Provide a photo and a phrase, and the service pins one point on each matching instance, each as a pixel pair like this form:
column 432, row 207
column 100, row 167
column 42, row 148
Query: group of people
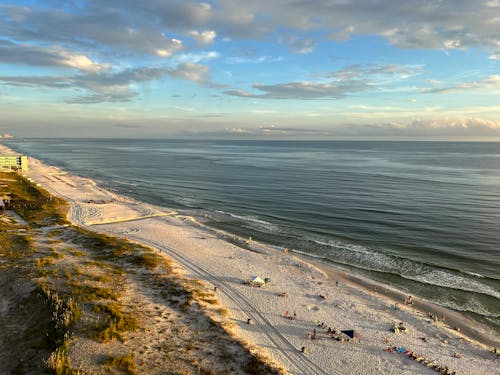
column 329, row 331
column 408, row 301
column 396, row 328
column 418, row 358
column 436, row 318
column 332, row 332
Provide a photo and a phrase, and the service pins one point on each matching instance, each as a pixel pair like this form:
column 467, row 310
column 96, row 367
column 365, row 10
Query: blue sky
column 277, row 69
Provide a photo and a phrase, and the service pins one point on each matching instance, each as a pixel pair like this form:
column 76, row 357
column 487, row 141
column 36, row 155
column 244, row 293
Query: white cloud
column 457, row 125
column 190, row 71
column 81, row 62
column 302, row 46
column 492, row 4
column 495, row 55
column 302, row 90
column 203, row 37
column 196, row 57
column 174, row 45
column 344, row 34
column 254, row 59
column 236, row 130
column 452, row 44
column 490, row 83
column 431, row 24
column 447, row 127
column 336, row 85
column 29, row 54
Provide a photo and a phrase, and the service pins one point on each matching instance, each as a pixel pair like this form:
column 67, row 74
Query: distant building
column 13, row 163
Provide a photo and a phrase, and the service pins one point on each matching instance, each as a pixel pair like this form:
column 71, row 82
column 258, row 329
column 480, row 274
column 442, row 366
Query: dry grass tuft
column 117, row 321
column 125, row 363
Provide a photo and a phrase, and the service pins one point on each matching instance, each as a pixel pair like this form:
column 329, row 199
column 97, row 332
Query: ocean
column 421, row 216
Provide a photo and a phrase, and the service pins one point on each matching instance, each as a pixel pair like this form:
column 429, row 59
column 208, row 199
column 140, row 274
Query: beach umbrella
column 352, row 334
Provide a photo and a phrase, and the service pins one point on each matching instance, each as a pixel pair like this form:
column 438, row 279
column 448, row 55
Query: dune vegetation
column 80, row 302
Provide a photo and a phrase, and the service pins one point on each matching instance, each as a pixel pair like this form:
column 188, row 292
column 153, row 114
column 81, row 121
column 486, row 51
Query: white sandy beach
column 208, row 255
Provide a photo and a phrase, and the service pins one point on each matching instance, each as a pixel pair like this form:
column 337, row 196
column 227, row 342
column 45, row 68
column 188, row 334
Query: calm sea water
column 422, row 216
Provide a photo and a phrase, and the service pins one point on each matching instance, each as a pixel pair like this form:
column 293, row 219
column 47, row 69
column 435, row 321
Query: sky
column 274, row 69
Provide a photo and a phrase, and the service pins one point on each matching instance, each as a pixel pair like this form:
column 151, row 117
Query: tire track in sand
column 301, row 363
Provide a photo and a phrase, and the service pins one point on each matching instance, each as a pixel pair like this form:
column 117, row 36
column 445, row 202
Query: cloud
column 190, row 71
column 445, row 127
column 196, row 57
column 13, row 53
column 376, row 70
column 302, row 46
column 492, row 4
column 429, row 25
column 250, row 56
column 137, row 27
column 495, row 55
column 491, row 83
column 344, row 34
column 108, row 86
column 302, row 90
column 169, row 48
column 110, row 97
column 339, row 84
column 203, row 37
column 109, row 28
column 126, row 126
column 37, row 81
column 254, row 60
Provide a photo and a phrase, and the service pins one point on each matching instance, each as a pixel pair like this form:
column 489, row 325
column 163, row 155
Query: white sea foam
column 311, row 255
column 369, row 259
column 449, row 280
column 365, row 258
column 470, row 306
column 188, row 202
column 253, row 221
column 478, row 275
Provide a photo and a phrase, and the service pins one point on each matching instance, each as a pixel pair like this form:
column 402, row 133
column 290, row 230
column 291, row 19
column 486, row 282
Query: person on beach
column 286, row 314
column 294, row 315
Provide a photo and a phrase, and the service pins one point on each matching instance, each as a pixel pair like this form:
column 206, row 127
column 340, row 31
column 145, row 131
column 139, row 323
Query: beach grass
column 79, row 279
column 117, row 322
column 124, row 363
column 34, row 204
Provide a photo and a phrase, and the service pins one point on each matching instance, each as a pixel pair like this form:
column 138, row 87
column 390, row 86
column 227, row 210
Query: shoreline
column 178, row 235
column 453, row 319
